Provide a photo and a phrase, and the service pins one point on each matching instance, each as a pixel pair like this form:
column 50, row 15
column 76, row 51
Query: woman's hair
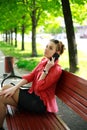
column 60, row 45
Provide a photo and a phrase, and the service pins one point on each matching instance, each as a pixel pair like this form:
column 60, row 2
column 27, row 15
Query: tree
column 38, row 9
column 72, row 47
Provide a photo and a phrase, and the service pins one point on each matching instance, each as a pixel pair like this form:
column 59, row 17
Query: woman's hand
column 49, row 64
column 8, row 92
column 47, row 67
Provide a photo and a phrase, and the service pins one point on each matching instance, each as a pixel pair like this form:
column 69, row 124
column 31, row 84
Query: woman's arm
column 21, row 83
column 8, row 92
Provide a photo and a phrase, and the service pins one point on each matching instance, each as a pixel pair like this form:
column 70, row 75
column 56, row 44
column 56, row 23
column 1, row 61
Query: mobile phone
column 55, row 56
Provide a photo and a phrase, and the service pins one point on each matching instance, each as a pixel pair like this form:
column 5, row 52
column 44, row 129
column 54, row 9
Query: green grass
column 25, row 61
column 23, row 58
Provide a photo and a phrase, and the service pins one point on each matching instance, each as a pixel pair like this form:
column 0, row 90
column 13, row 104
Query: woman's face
column 50, row 49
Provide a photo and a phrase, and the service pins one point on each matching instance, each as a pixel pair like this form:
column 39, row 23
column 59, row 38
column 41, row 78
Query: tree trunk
column 6, row 39
column 23, row 30
column 72, row 47
column 34, row 52
column 11, row 37
column 15, row 37
column 34, row 24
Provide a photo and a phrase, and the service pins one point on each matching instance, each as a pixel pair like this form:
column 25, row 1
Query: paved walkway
column 72, row 120
column 1, row 65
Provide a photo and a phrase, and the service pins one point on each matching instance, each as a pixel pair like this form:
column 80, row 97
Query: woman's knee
column 10, row 100
column 7, row 100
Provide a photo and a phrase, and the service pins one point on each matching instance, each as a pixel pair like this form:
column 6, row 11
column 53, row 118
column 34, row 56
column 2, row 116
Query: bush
column 28, row 64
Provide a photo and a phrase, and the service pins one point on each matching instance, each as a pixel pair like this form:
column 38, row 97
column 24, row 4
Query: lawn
column 24, row 60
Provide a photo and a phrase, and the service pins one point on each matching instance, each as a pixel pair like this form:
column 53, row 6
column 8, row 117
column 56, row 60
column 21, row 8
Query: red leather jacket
column 45, row 88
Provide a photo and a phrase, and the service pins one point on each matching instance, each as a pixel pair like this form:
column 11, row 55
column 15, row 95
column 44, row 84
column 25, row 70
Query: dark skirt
column 30, row 102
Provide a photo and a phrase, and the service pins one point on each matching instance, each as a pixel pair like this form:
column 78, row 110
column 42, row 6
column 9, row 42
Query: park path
column 1, row 65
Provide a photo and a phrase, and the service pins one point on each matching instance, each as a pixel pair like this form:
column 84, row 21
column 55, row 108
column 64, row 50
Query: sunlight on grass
column 82, row 64
column 63, row 60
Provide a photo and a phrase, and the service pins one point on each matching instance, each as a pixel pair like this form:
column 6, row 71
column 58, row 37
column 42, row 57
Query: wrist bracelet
column 45, row 71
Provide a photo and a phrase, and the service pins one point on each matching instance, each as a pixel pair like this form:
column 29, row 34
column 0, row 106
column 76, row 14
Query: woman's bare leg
column 7, row 100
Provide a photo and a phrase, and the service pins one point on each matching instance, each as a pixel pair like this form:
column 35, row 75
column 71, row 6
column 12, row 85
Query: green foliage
column 79, row 2
column 18, row 12
column 53, row 26
column 79, row 16
column 15, row 10
column 28, row 64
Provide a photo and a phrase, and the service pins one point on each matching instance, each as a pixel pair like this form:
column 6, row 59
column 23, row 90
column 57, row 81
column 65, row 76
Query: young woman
column 41, row 96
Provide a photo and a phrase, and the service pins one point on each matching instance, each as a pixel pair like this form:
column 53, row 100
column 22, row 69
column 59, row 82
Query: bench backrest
column 72, row 90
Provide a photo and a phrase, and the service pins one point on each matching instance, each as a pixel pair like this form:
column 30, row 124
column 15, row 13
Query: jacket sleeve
column 51, row 78
column 29, row 77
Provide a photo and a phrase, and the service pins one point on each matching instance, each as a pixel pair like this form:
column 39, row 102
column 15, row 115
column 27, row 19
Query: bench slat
column 75, row 88
column 47, row 122
column 26, row 121
column 22, row 121
column 76, row 109
column 75, row 95
column 11, row 123
column 74, row 102
column 74, row 80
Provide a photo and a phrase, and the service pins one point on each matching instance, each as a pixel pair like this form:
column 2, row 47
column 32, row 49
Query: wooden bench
column 71, row 89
